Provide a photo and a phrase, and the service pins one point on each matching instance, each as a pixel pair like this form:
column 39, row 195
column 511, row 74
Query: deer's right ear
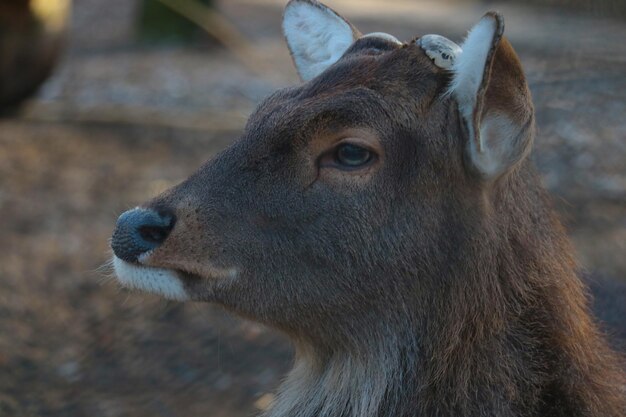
column 493, row 98
column 316, row 35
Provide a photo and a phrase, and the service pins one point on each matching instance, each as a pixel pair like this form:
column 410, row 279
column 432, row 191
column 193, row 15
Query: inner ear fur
column 317, row 36
column 500, row 117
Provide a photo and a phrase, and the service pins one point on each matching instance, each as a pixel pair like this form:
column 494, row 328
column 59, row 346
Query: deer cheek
column 347, row 181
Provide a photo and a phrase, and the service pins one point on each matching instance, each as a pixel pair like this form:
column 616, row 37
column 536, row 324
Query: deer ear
column 316, row 35
column 493, row 98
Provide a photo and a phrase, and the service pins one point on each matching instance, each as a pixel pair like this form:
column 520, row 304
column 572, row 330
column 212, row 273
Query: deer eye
column 352, row 156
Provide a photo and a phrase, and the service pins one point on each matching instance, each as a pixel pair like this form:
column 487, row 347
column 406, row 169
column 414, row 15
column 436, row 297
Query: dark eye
column 352, row 156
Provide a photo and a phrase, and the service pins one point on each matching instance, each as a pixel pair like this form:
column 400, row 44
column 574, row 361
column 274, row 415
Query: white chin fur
column 158, row 281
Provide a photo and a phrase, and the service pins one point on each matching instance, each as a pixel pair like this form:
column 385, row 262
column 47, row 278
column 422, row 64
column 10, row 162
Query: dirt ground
column 120, row 122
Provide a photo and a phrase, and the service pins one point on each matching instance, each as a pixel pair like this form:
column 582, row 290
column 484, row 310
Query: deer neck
column 374, row 379
column 493, row 340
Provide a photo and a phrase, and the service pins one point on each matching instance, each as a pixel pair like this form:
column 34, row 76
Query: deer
column 385, row 215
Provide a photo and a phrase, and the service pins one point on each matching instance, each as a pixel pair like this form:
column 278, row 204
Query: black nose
column 138, row 231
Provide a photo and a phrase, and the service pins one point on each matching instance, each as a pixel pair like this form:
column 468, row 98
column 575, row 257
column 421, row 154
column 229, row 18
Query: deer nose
column 138, row 231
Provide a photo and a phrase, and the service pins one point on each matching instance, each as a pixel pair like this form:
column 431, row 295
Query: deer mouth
column 168, row 280
column 165, row 282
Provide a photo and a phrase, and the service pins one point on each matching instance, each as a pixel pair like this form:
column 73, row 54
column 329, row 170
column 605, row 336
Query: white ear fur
column 317, row 36
column 469, row 70
column 499, row 135
column 496, row 154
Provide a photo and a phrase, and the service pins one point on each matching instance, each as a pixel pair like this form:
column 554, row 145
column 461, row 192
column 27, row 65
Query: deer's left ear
column 317, row 36
column 493, row 98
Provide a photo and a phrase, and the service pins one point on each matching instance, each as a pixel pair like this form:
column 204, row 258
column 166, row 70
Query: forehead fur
column 375, row 63
column 375, row 83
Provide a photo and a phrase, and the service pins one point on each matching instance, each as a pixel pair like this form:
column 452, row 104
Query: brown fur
column 415, row 288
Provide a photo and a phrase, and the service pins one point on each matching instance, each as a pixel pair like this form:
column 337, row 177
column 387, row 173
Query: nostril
column 139, row 231
column 154, row 234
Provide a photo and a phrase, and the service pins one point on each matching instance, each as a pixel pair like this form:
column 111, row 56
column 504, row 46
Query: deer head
column 339, row 181
column 363, row 212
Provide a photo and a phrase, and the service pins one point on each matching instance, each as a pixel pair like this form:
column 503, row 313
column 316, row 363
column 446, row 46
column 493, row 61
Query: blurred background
column 105, row 103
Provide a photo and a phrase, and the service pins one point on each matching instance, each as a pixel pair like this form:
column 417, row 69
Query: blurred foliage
column 51, row 13
column 159, row 23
